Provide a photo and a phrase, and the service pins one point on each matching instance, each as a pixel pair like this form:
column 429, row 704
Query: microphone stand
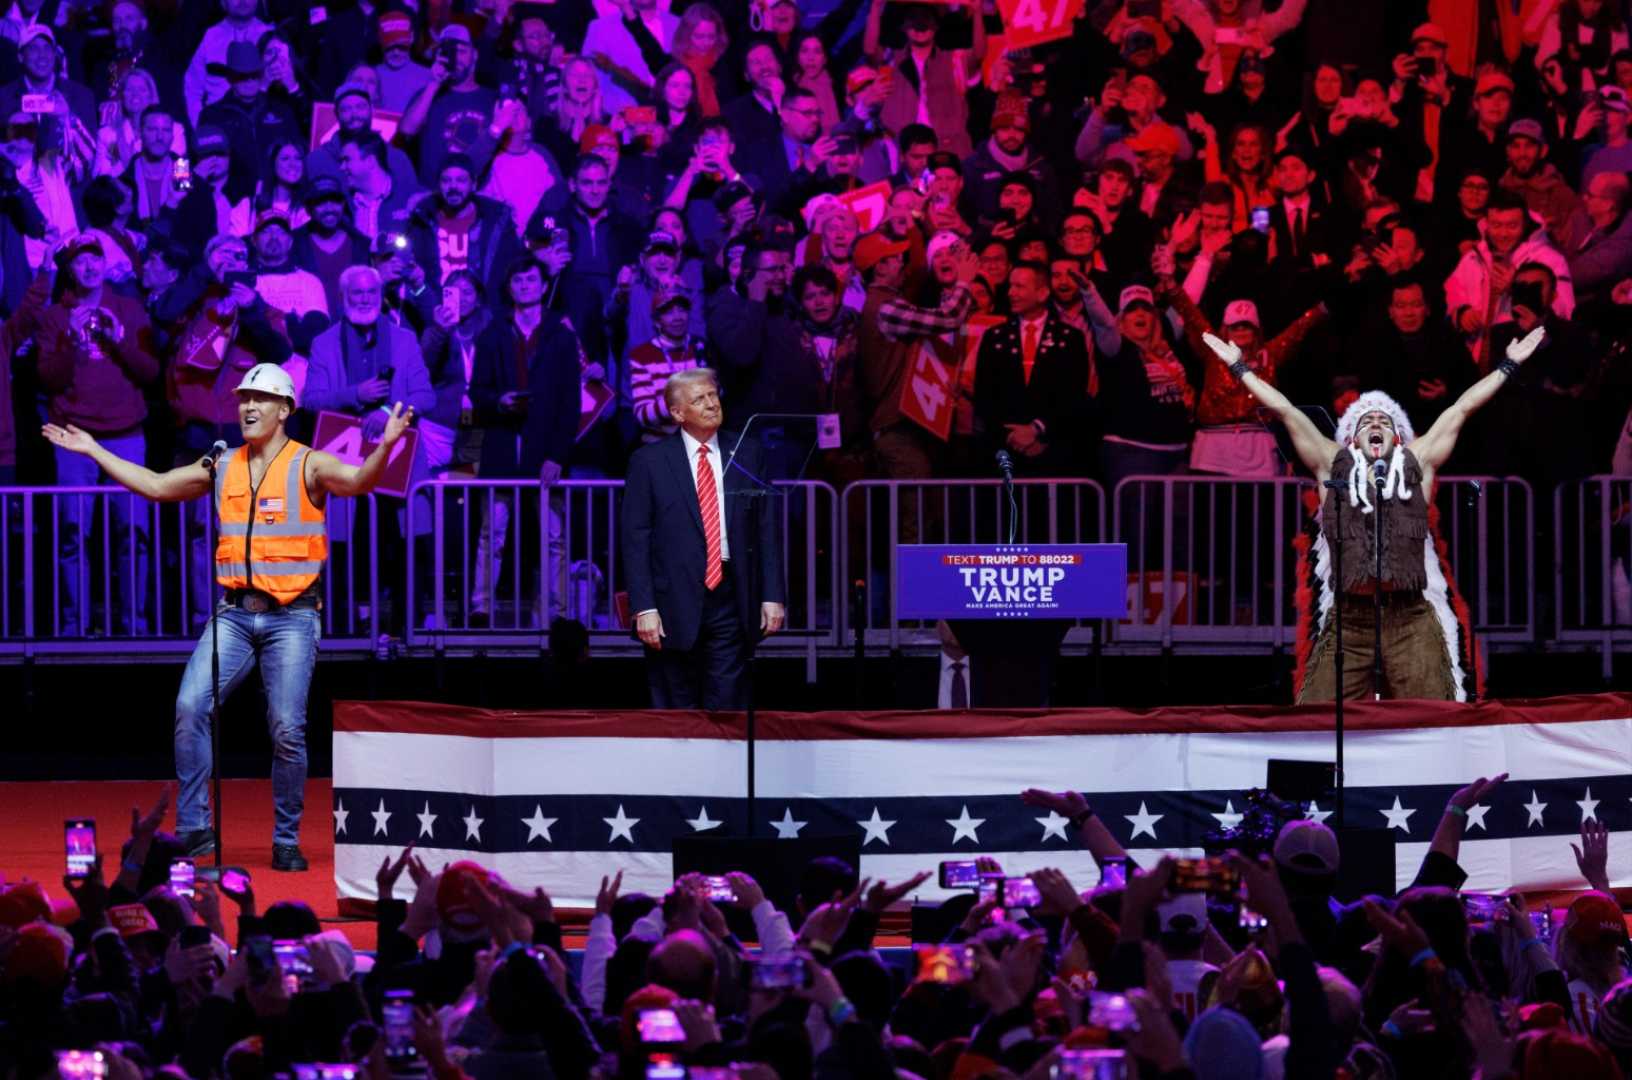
column 1006, row 464
column 1337, row 638
column 1377, row 593
column 211, row 463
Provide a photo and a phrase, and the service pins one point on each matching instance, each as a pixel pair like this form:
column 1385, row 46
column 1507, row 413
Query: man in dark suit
column 1031, row 378
column 1304, row 233
column 701, row 551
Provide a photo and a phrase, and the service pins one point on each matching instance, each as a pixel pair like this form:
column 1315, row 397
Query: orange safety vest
column 272, row 537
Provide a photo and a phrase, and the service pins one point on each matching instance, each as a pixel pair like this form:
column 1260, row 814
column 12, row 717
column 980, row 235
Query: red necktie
column 1028, row 345
column 709, row 501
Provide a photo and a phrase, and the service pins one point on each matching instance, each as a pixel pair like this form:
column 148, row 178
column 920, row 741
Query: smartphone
column 1426, row 67
column 81, row 1064
column 1260, row 219
column 1205, row 875
column 778, row 973
column 321, row 1071
column 258, row 955
column 639, row 114
column 718, row 889
column 949, row 964
column 665, row 1069
column 1543, row 922
column 1113, row 1012
column 1098, row 1063
column 246, row 278
column 79, row 845
column 193, row 935
column 456, row 302
column 990, row 891
column 397, row 1021
column 960, row 874
column 38, row 103
column 1113, row 872
column 1481, row 907
column 182, row 875
column 295, row 963
column 387, row 372
column 660, row 1026
column 1020, row 892
column 448, row 53
column 1250, row 921
column 235, row 882
column 713, row 1072
column 181, row 174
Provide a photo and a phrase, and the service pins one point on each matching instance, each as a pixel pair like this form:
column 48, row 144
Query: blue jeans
column 286, row 642
column 126, row 516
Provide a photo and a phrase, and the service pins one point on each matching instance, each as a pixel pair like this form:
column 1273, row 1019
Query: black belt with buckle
column 253, row 601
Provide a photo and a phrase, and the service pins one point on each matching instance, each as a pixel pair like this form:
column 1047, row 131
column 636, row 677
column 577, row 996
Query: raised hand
column 1470, row 796
column 1592, row 857
column 1400, row 933
column 396, row 424
column 608, row 894
column 385, row 878
column 1067, row 804
column 1227, row 351
column 69, row 438
column 882, row 895
column 1520, row 349
column 145, row 825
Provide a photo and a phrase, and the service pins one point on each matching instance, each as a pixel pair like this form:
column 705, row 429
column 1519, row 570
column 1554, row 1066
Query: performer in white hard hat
column 269, row 496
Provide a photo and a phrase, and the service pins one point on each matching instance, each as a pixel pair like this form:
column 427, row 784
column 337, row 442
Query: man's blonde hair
column 681, row 380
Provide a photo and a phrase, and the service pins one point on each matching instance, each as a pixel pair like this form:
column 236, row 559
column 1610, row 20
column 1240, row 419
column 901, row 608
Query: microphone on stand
column 1005, row 464
column 1379, row 471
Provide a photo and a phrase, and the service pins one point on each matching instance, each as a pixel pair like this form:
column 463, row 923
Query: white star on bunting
column 1535, row 807
column 964, row 826
column 1316, row 814
column 701, row 822
column 1229, row 819
column 1143, row 822
column 1053, row 825
column 787, row 828
column 1588, row 805
column 1476, row 816
column 473, row 826
column 427, row 821
column 877, row 829
column 538, row 825
column 381, row 817
column 622, row 826
column 1398, row 817
column 340, row 815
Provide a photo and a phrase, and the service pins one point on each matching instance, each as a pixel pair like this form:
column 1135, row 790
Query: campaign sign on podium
column 1012, row 581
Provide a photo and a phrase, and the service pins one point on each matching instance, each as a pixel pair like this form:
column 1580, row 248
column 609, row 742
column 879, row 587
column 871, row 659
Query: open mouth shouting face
column 1375, row 436
column 259, row 413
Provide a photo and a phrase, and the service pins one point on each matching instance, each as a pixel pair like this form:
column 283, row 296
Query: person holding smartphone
column 270, row 608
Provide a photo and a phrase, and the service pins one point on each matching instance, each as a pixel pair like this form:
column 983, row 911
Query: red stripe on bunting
column 424, row 718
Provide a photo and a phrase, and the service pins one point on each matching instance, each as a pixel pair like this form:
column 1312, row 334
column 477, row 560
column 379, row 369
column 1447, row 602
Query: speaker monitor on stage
column 1366, row 865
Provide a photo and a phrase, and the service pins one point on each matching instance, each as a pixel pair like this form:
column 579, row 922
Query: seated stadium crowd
column 1236, row 968
column 877, row 209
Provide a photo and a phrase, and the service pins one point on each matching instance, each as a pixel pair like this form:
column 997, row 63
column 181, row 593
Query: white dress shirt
column 717, row 463
column 943, row 698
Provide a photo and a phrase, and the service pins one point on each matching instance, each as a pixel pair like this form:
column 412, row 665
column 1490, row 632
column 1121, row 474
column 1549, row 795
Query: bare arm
column 875, row 20
column 1315, row 450
column 1434, row 448
column 334, row 476
column 177, row 485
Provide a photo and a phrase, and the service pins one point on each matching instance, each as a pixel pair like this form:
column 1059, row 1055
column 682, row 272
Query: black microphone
column 1379, row 471
column 1006, row 464
column 213, row 458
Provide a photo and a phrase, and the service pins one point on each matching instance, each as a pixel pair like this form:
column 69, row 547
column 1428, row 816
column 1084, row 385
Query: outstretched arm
column 1315, row 450
column 1434, row 448
column 334, row 476
column 177, row 485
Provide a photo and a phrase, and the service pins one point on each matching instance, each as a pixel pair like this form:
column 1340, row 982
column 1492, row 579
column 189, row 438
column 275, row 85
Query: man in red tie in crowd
column 701, row 551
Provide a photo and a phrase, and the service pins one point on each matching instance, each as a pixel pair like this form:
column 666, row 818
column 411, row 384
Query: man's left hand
column 1022, row 437
column 771, row 617
column 1519, row 349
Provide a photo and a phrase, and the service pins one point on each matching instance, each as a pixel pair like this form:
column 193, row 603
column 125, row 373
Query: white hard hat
column 268, row 379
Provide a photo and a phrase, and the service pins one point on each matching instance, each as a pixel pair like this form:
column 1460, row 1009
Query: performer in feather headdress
column 1382, row 467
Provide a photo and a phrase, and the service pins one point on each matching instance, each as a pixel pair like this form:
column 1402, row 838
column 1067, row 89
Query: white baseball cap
column 268, row 379
column 1241, row 311
column 940, row 242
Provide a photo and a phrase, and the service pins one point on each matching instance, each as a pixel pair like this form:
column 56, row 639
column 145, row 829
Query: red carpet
column 31, row 837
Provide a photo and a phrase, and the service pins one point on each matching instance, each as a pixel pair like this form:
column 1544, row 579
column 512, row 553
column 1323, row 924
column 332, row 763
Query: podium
column 1011, row 605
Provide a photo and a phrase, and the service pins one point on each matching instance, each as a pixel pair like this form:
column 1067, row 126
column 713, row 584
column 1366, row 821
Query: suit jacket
column 550, row 424
column 664, row 553
column 1320, row 232
column 1057, row 393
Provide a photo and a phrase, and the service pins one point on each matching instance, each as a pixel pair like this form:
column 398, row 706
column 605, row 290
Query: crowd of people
column 1232, row 968
column 520, row 219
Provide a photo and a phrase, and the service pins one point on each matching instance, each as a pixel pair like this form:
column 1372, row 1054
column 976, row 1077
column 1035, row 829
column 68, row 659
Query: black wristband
column 1240, row 370
column 1509, row 368
column 1080, row 818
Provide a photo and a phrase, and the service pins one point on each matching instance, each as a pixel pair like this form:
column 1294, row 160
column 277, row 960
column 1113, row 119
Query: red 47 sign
column 929, row 392
column 1030, row 22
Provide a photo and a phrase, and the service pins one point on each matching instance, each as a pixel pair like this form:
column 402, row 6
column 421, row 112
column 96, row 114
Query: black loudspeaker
column 776, row 864
column 1368, row 864
column 1301, row 782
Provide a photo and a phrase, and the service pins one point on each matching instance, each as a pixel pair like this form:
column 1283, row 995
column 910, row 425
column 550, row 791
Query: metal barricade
column 1592, row 549
column 1210, row 559
column 98, row 570
column 478, row 587
column 880, row 515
